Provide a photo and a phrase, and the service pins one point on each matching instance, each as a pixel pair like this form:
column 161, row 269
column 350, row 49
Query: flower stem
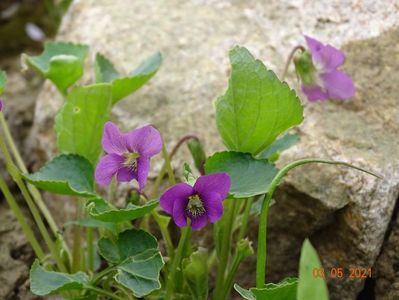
column 170, row 285
column 228, row 284
column 104, row 292
column 225, row 248
column 181, row 142
column 90, row 248
column 290, row 56
column 169, row 169
column 77, row 241
column 165, row 234
column 32, row 189
column 22, row 220
column 16, row 176
column 245, row 218
column 262, row 232
column 101, row 274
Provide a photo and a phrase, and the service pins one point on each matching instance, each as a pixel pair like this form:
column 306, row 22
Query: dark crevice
column 368, row 292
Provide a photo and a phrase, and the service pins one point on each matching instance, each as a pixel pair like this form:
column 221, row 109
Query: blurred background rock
column 351, row 218
column 24, row 26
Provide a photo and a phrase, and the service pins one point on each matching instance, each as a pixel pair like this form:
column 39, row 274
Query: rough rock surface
column 345, row 213
column 15, row 254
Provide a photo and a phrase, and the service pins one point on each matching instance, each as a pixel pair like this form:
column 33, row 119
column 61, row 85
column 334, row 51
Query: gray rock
column 345, row 213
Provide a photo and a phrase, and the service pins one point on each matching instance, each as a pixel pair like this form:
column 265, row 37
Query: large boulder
column 344, row 212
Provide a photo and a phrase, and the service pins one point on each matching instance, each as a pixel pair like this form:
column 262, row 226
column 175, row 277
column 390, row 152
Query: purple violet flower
column 318, row 70
column 1, row 105
column 128, row 154
column 201, row 203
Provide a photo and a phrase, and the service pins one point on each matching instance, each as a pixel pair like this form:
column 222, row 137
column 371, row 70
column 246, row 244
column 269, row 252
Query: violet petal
column 107, row 168
column 338, row 84
column 216, row 182
column 213, row 203
column 113, row 140
column 177, row 193
column 179, row 211
column 146, row 141
column 330, row 58
column 314, row 93
column 143, row 167
column 125, row 175
column 199, row 222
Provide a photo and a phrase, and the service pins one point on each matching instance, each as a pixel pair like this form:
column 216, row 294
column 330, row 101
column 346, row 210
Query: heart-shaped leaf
column 309, row 286
column 3, row 81
column 101, row 209
column 257, row 106
column 284, row 290
column 249, row 176
column 137, row 258
column 67, row 174
column 60, row 62
column 43, row 282
column 79, row 124
column 272, row 152
column 123, row 86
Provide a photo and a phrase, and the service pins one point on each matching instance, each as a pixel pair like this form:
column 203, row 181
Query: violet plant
column 112, row 254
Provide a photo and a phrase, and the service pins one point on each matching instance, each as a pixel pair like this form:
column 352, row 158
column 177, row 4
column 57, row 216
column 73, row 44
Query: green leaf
column 198, row 153
column 105, row 70
column 249, row 176
column 123, row 86
column 257, row 106
column 67, row 174
column 93, row 223
column 79, row 123
column 60, row 62
column 43, row 282
column 188, row 175
column 195, row 271
column 3, row 81
column 309, row 286
column 285, row 142
column 284, row 290
column 137, row 260
column 102, row 210
column 246, row 294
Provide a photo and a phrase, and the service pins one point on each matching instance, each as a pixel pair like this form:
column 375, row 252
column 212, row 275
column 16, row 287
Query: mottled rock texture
column 345, row 213
column 15, row 253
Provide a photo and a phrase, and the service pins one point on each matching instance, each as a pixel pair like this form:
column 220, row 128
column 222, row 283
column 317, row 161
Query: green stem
column 77, row 240
column 90, row 248
column 169, row 169
column 228, row 284
column 245, row 218
column 101, row 274
column 225, row 248
column 33, row 190
column 290, row 56
column 170, row 285
column 165, row 234
column 16, row 176
column 262, row 238
column 22, row 220
column 104, row 292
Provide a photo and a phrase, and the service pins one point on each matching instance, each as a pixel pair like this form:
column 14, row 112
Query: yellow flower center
column 131, row 160
column 195, row 207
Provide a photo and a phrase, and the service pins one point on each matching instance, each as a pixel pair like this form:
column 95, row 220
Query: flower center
column 195, row 207
column 131, row 160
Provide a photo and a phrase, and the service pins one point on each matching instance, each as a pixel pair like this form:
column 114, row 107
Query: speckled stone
column 344, row 212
